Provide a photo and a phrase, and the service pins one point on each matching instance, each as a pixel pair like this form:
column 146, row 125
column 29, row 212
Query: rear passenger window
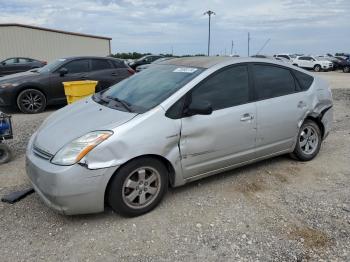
column 119, row 64
column 99, row 64
column 77, row 66
column 272, row 81
column 225, row 89
column 304, row 80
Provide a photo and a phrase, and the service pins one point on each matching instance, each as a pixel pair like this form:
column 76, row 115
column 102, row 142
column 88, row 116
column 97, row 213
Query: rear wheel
column 346, row 69
column 31, row 101
column 309, row 141
column 317, row 68
column 5, row 154
column 138, row 187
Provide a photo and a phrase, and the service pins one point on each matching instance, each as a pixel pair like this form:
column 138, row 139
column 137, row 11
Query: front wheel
column 138, row 187
column 346, row 69
column 31, row 101
column 317, row 68
column 309, row 141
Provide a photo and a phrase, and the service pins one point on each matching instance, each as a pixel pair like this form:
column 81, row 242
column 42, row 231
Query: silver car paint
column 193, row 147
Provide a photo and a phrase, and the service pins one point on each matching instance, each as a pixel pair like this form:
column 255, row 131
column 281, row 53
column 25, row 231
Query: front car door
column 226, row 137
column 280, row 108
column 77, row 70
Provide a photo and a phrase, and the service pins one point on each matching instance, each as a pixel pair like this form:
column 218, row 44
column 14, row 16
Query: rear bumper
column 327, row 121
column 69, row 190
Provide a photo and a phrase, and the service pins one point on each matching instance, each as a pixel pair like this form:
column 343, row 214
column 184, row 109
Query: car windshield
column 51, row 67
column 148, row 88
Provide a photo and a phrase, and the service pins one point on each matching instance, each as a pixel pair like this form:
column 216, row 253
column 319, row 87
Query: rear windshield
column 148, row 88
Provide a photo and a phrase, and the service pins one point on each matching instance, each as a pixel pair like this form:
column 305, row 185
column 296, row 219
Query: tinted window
column 225, row 89
column 23, row 60
column 150, row 87
column 77, row 66
column 284, row 56
column 302, row 58
column 100, row 64
column 304, row 80
column 272, row 81
column 10, row 61
column 119, row 64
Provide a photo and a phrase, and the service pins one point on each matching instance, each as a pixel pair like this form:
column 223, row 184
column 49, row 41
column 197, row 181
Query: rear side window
column 100, row 64
column 77, row 66
column 271, row 81
column 227, row 88
column 304, row 80
column 119, row 64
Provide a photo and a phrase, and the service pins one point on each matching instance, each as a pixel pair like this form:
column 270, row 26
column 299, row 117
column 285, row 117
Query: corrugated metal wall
column 48, row 46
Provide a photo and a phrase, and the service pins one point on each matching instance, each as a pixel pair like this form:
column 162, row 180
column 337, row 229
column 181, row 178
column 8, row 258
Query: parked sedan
column 19, row 64
column 176, row 122
column 144, row 61
column 32, row 91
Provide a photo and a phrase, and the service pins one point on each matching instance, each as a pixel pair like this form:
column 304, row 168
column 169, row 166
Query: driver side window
column 77, row 66
column 10, row 61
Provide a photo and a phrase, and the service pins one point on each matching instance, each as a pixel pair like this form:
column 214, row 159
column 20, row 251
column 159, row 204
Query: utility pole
column 248, row 42
column 232, row 48
column 209, row 13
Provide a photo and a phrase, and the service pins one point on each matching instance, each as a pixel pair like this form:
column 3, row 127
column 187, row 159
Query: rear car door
column 280, row 108
column 24, row 64
column 106, row 73
column 77, row 70
column 227, row 136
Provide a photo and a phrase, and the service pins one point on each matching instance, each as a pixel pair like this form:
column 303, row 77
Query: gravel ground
column 275, row 210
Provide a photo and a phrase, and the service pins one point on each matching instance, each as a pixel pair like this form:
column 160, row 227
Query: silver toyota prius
column 179, row 121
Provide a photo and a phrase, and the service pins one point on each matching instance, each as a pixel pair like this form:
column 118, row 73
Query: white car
column 285, row 56
column 315, row 63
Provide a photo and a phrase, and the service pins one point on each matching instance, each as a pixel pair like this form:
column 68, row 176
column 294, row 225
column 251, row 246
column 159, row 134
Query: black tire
column 300, row 153
column 117, row 191
column 31, row 101
column 317, row 68
column 5, row 154
column 346, row 69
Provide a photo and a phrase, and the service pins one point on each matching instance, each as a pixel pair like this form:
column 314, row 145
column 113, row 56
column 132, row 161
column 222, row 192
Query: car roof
column 90, row 57
column 210, row 61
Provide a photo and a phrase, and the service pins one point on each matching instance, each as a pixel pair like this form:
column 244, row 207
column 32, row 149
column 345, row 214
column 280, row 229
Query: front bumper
column 69, row 190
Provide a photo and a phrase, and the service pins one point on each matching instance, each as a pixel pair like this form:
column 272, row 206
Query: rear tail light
column 131, row 71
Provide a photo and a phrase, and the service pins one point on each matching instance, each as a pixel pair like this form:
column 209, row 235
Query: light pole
column 209, row 13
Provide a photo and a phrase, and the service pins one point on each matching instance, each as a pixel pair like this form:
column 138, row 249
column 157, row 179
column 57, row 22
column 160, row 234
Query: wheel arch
column 30, row 86
column 317, row 120
column 166, row 162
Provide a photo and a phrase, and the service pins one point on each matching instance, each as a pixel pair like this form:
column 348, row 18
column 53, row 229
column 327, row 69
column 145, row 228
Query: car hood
column 19, row 77
column 76, row 120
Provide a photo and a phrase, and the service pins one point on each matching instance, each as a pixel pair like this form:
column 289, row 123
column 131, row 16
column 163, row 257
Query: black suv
column 18, row 64
column 33, row 90
column 144, row 60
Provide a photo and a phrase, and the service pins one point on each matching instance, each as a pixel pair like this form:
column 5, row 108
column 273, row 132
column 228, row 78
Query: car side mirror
column 196, row 108
column 63, row 71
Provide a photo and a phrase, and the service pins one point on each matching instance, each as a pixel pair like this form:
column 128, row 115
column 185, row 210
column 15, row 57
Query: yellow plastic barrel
column 76, row 90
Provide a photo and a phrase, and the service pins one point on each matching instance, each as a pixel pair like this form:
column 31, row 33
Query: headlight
column 5, row 85
column 78, row 148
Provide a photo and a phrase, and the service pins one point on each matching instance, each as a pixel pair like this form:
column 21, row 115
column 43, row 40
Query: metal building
column 18, row 40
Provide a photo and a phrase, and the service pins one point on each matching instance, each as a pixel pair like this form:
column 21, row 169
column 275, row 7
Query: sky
column 180, row 26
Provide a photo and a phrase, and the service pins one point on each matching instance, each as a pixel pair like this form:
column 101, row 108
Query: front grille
column 42, row 153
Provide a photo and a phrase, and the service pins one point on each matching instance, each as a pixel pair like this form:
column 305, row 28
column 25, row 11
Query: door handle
column 247, row 117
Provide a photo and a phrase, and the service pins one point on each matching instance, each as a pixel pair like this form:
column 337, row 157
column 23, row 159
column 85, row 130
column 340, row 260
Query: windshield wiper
column 122, row 102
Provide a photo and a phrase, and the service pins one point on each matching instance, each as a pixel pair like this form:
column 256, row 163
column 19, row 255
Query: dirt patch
column 249, row 188
column 311, row 238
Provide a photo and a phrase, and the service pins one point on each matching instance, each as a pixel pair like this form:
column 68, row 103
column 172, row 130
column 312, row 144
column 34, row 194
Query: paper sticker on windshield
column 188, row 70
